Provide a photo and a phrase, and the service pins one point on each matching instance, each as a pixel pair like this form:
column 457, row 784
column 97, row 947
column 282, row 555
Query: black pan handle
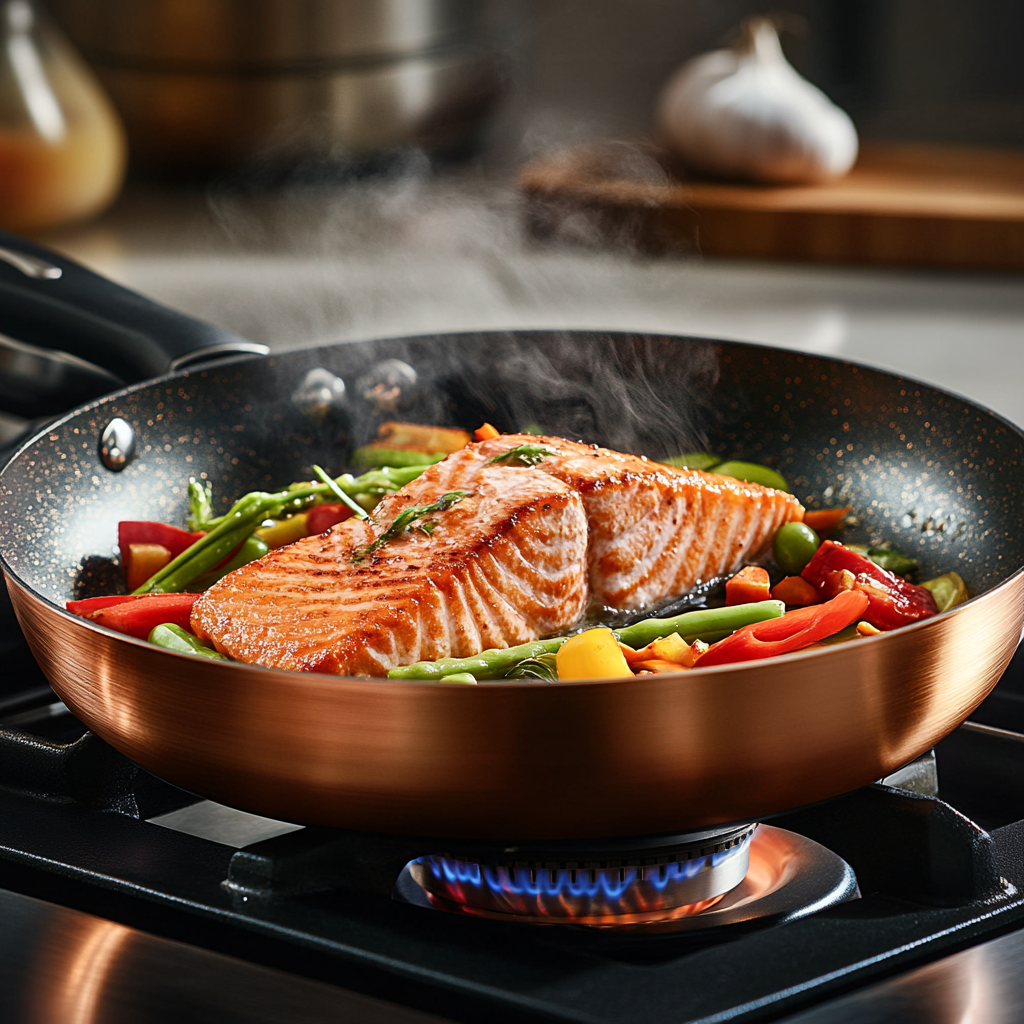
column 52, row 302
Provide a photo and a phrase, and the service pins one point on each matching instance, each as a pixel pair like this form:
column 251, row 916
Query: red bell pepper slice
column 137, row 615
column 88, row 605
column 893, row 601
column 322, row 517
column 140, row 531
column 792, row 631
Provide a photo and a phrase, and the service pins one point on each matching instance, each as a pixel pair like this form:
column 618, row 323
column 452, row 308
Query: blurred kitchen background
column 306, row 171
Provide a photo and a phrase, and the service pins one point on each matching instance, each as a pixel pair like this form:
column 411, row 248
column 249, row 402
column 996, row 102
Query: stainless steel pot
column 212, row 83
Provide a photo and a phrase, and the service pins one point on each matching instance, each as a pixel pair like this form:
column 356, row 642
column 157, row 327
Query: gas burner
column 747, row 874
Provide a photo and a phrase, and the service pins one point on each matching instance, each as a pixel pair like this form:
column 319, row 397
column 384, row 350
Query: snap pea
column 693, row 460
column 704, row 624
column 174, row 638
column 752, row 473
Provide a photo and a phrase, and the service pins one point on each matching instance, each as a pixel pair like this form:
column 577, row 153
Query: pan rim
column 184, row 374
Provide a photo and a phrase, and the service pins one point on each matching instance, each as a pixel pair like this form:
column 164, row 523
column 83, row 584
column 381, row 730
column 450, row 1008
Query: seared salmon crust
column 520, row 557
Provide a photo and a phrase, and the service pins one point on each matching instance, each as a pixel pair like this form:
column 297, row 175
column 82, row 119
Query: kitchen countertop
column 415, row 255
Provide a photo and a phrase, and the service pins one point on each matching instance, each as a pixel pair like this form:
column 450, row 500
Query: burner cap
column 751, row 875
column 588, row 886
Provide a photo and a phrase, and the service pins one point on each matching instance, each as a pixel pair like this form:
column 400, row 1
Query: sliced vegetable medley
column 823, row 590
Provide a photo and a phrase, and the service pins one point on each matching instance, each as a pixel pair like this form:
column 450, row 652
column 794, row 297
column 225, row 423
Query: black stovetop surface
column 936, row 874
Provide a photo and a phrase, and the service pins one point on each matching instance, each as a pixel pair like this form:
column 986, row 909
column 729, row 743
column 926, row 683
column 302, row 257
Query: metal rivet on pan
column 319, row 393
column 117, row 445
column 389, row 385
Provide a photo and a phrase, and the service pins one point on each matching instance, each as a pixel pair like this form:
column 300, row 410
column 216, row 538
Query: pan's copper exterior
column 926, row 470
column 651, row 754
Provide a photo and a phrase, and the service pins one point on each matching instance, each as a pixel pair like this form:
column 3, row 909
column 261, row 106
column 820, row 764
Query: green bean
column 700, row 624
column 299, row 495
column 174, row 638
column 459, row 677
column 704, row 624
column 202, row 556
column 199, row 565
column 228, row 531
column 491, row 664
column 252, row 548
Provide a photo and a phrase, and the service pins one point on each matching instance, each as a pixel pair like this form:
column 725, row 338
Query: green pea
column 693, row 460
column 794, row 547
column 752, row 473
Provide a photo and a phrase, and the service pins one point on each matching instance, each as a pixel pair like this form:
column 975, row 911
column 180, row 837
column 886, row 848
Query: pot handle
column 52, row 302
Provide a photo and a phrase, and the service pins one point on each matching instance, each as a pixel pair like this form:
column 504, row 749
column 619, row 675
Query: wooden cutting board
column 909, row 205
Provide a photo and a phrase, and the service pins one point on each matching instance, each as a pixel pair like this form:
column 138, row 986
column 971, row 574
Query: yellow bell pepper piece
column 145, row 560
column 284, row 532
column 594, row 654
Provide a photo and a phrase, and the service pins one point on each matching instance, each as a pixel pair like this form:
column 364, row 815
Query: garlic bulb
column 745, row 113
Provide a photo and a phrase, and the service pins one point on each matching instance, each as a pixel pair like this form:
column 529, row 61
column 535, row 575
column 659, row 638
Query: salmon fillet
column 503, row 566
column 517, row 559
column 657, row 531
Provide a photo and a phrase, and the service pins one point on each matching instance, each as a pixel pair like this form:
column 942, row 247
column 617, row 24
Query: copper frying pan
column 931, row 472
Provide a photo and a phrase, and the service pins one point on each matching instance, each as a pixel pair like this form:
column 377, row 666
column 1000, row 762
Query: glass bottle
column 62, row 147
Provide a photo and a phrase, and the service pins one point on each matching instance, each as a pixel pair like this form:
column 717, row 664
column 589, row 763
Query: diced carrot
column 486, row 432
column 866, row 629
column 747, row 586
column 143, row 561
column 825, row 520
column 795, row 592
